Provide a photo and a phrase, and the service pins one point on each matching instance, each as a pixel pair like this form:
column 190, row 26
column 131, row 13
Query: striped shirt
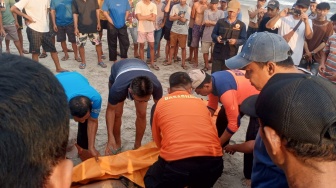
column 330, row 63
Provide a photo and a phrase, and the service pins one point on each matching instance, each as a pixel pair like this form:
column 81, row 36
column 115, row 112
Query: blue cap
column 261, row 47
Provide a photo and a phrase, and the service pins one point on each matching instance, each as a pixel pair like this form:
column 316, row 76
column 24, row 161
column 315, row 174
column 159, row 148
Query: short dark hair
column 179, row 79
column 323, row 6
column 333, row 17
column 206, row 80
column 34, row 124
column 80, row 106
column 142, row 86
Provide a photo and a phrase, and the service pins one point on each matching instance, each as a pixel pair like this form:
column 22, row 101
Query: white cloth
column 145, row 10
column 285, row 25
column 178, row 26
column 38, row 11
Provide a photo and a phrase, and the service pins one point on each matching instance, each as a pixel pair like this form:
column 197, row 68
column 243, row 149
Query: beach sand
column 98, row 77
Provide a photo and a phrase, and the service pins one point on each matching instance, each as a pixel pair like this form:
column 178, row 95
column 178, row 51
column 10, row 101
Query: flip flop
column 103, row 56
column 43, row 55
column 166, row 64
column 65, row 58
column 102, row 64
column 82, row 65
column 155, row 67
column 25, row 52
column 116, row 151
column 78, row 59
column 205, row 69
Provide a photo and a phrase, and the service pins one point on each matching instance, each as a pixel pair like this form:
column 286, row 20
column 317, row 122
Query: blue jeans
column 157, row 38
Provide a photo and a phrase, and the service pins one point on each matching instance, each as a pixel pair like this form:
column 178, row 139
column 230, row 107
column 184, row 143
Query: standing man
column 263, row 56
column 197, row 14
column 228, row 34
column 180, row 15
column 146, row 13
column 313, row 48
column 103, row 24
column 312, row 7
column 9, row 26
column 286, row 23
column 193, row 157
column 85, row 104
column 132, row 79
column 87, row 25
column 211, row 16
column 256, row 13
column 62, row 20
column 272, row 10
column 37, row 19
column 116, row 13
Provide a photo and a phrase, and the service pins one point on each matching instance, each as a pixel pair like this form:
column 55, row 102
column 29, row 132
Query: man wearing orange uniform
column 190, row 151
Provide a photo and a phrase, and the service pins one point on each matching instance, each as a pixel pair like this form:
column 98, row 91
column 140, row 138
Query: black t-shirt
column 87, row 17
column 262, row 26
column 122, row 74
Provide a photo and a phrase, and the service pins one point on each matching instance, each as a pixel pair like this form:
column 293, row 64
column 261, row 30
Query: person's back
column 33, row 108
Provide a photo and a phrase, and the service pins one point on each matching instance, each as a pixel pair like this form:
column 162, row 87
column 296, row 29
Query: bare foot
column 61, row 70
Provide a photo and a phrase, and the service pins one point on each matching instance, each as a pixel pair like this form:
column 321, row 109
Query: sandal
column 65, row 58
column 82, row 65
column 25, row 52
column 185, row 67
column 178, row 58
column 43, row 55
column 78, row 59
column 166, row 64
column 102, row 64
column 155, row 67
column 205, row 69
column 103, row 56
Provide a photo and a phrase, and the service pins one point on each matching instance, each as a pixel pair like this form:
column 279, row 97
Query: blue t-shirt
column 265, row 173
column 122, row 74
column 63, row 11
column 75, row 84
column 117, row 10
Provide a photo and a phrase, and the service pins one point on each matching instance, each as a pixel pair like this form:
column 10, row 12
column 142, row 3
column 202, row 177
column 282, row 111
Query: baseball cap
column 213, row 1
column 260, row 47
column 273, row 4
column 315, row 1
column 233, row 6
column 197, row 76
column 223, row 1
column 304, row 3
column 299, row 106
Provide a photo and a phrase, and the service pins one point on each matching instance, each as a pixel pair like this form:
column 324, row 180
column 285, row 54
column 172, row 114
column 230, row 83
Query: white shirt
column 145, row 10
column 285, row 25
column 38, row 11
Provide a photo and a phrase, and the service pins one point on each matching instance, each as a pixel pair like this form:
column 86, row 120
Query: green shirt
column 7, row 16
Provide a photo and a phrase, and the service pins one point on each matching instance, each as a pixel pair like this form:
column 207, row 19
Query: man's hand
column 94, row 153
column 232, row 41
column 330, row 75
column 17, row 25
column 309, row 57
column 304, row 17
column 98, row 27
column 322, row 67
column 76, row 32
column 29, row 20
column 219, row 39
column 230, row 149
column 284, row 12
column 2, row 32
column 55, row 28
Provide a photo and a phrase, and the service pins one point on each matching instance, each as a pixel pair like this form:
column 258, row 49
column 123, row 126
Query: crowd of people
column 283, row 78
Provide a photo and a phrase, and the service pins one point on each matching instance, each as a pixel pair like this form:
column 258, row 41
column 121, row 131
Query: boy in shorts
column 8, row 26
column 37, row 19
column 146, row 12
column 180, row 14
column 87, row 27
column 62, row 21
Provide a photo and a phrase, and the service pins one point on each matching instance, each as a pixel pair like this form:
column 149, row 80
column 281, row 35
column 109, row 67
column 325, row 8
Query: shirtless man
column 197, row 13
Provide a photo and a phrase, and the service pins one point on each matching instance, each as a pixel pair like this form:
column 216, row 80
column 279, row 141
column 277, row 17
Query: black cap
column 299, row 106
column 214, row 1
column 304, row 3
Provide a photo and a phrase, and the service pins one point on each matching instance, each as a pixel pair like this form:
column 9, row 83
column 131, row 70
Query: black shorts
column 19, row 19
column 66, row 30
column 103, row 24
column 167, row 33
column 36, row 39
column 189, row 172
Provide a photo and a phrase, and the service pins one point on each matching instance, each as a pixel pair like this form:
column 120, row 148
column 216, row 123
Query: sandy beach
column 98, row 77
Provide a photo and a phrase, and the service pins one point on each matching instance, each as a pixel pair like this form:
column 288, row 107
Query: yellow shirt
column 101, row 14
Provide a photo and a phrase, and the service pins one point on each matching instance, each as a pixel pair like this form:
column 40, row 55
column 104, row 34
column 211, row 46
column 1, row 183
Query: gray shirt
column 214, row 16
column 178, row 26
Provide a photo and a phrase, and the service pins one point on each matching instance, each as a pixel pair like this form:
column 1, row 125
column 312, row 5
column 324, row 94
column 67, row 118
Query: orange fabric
column 183, row 127
column 132, row 164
